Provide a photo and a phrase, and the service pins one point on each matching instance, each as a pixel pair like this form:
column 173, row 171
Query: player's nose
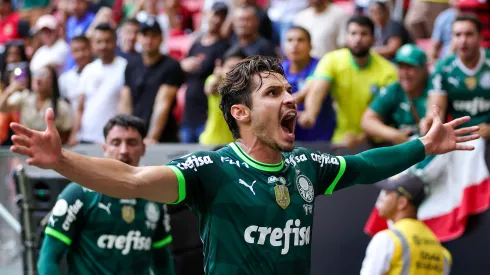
column 290, row 101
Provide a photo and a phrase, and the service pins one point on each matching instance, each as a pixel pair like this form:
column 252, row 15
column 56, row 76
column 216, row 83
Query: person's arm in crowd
column 103, row 16
column 388, row 51
column 7, row 105
column 125, row 101
column 318, row 87
column 50, row 256
column 211, row 85
column 372, row 123
column 436, row 40
column 77, row 121
column 315, row 95
column 378, row 255
column 161, row 110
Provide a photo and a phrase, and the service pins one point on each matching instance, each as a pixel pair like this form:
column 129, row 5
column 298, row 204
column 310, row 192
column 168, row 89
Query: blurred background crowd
column 162, row 60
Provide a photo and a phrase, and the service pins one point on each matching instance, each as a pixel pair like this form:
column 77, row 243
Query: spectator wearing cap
column 69, row 81
column 151, row 86
column 8, row 22
column 248, row 37
column 53, row 50
column 397, row 109
column 149, row 9
column 77, row 24
column 198, row 65
column 326, row 23
column 99, row 87
column 390, row 35
column 409, row 246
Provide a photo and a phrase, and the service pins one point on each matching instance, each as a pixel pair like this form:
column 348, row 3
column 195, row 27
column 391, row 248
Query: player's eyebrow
column 274, row 86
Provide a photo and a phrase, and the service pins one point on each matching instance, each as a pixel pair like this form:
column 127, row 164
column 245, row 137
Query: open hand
column 43, row 149
column 444, row 138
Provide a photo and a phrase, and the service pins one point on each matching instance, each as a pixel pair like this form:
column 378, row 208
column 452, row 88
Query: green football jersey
column 467, row 89
column 256, row 218
column 393, row 105
column 108, row 235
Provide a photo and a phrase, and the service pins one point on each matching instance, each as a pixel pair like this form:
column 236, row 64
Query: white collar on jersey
column 472, row 72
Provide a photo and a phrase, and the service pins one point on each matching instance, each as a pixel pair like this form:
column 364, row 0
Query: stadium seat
column 347, row 6
column 424, row 44
column 178, row 46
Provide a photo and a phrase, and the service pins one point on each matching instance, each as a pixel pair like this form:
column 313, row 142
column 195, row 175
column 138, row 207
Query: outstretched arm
column 374, row 165
column 107, row 176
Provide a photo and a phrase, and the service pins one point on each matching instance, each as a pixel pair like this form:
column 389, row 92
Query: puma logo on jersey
column 279, row 236
column 242, row 182
column 107, row 207
column 133, row 240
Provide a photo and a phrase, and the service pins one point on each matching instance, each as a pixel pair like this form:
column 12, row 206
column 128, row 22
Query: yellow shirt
column 216, row 131
column 352, row 87
column 417, row 250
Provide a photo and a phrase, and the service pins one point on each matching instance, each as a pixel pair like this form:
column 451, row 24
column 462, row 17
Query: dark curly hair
column 238, row 85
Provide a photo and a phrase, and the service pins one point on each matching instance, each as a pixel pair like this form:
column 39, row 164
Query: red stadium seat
column 424, row 44
column 347, row 6
column 178, row 46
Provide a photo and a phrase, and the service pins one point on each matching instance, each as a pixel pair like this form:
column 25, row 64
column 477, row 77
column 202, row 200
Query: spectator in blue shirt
column 298, row 66
column 441, row 35
column 78, row 23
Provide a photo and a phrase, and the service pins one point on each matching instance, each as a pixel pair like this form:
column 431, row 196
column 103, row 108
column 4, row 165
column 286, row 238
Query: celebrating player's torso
column 256, row 218
column 106, row 234
column 467, row 90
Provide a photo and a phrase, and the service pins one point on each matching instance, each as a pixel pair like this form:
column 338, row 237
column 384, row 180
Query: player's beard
column 262, row 130
column 360, row 53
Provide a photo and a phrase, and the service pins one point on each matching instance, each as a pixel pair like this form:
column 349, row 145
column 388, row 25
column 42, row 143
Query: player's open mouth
column 288, row 122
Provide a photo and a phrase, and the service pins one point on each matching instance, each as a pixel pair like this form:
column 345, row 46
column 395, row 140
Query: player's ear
column 241, row 112
column 104, row 147
column 403, row 202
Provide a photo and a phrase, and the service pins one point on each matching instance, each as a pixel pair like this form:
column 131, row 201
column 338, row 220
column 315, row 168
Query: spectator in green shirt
column 395, row 112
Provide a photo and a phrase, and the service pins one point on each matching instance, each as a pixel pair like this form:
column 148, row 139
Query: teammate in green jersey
column 396, row 110
column 105, row 235
column 460, row 83
column 254, row 198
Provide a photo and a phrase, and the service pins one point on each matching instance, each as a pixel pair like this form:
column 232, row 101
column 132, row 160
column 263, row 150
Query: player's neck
column 473, row 61
column 260, row 151
column 404, row 215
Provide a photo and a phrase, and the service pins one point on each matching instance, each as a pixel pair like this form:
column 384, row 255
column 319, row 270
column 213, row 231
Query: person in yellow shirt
column 353, row 75
column 216, row 131
column 409, row 247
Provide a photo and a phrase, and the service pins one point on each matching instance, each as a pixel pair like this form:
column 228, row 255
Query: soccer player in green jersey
column 254, row 197
column 106, row 235
column 395, row 113
column 460, row 83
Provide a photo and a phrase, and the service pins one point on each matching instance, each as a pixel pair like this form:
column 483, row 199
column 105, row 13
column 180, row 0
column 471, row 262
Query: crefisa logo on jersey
column 293, row 160
column 132, row 241
column 305, row 188
column 194, row 162
column 279, row 236
column 61, row 208
column 324, row 159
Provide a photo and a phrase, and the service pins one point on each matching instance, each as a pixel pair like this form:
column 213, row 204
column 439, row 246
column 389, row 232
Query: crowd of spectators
column 162, row 60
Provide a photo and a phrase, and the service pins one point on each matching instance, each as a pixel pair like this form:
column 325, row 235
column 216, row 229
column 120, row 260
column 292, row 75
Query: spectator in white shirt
column 100, row 85
column 326, row 22
column 53, row 50
column 69, row 80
